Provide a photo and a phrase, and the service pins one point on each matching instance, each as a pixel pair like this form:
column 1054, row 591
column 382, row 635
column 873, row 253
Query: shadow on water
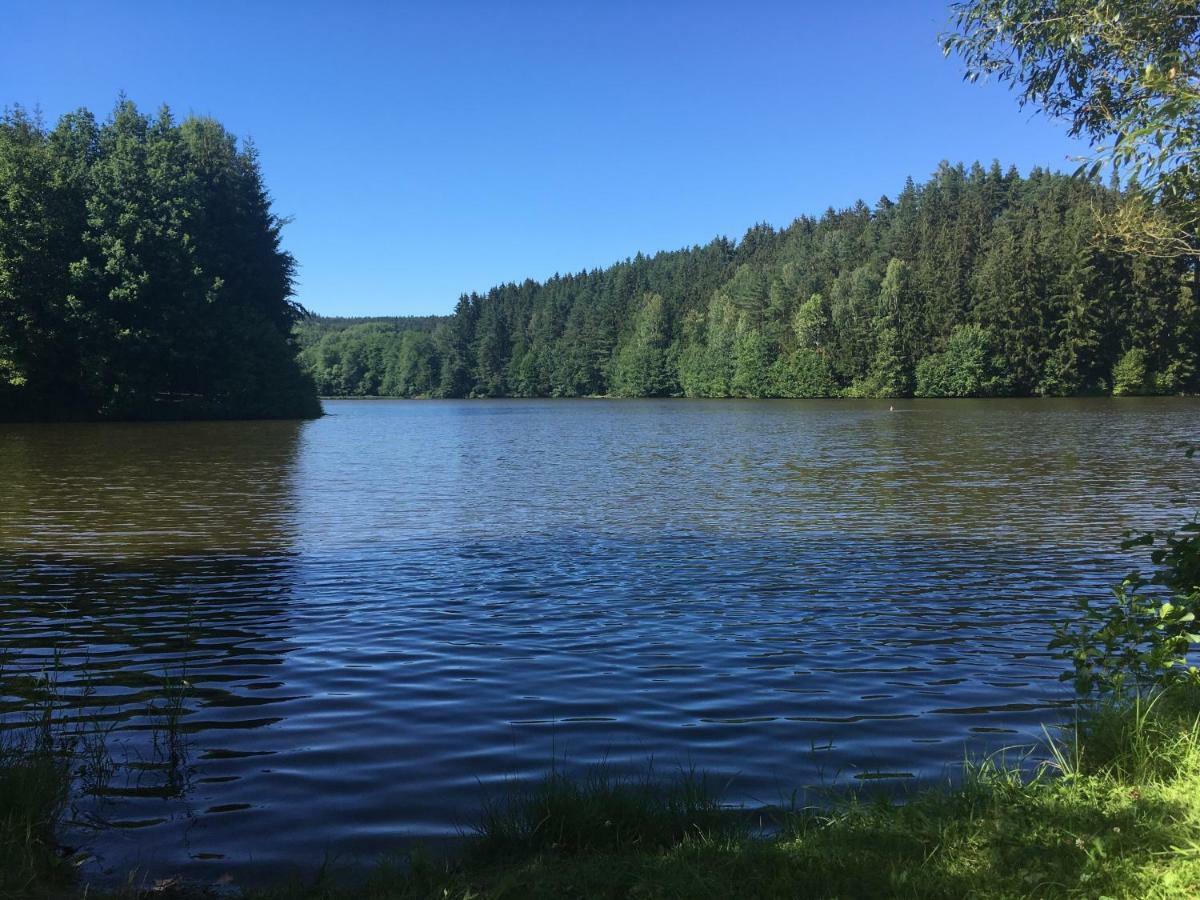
column 150, row 491
column 146, row 573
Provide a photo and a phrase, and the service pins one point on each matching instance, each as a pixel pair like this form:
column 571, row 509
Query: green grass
column 601, row 813
column 1113, row 812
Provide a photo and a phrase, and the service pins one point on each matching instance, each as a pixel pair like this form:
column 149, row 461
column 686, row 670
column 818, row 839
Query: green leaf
column 1142, row 540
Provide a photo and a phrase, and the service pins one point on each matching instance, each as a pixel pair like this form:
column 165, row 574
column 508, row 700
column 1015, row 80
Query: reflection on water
column 146, row 574
column 384, row 613
column 148, row 491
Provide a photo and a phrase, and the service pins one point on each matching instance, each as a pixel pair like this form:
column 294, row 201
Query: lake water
column 384, row 614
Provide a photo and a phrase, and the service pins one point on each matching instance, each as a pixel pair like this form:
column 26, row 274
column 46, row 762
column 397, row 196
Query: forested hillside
column 141, row 273
column 978, row 282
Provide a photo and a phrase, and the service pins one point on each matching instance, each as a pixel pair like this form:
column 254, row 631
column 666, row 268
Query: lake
column 385, row 615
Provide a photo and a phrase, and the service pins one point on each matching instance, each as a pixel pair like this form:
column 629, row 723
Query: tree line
column 978, row 282
column 141, row 273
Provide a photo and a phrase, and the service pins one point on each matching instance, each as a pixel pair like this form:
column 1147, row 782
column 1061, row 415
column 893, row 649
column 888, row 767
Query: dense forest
column 391, row 356
column 141, row 273
column 979, row 282
column 314, row 327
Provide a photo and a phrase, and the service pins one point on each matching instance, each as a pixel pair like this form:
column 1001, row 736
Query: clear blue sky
column 425, row 150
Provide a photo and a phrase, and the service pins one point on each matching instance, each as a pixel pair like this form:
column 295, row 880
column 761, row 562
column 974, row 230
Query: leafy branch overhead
column 1124, row 74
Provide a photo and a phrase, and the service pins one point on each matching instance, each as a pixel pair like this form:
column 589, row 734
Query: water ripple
column 383, row 614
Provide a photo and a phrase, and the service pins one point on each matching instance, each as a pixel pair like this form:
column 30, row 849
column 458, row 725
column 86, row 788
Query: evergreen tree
column 644, row 367
column 977, row 281
column 141, row 273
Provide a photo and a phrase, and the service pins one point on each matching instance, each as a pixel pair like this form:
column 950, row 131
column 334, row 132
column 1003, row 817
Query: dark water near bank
column 384, row 614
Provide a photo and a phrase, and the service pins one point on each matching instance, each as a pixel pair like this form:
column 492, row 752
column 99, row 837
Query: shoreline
column 1109, row 810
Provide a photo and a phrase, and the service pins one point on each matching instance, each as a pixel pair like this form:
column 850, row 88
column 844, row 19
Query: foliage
column 1136, row 642
column 141, row 273
column 643, row 366
column 1130, row 375
column 986, row 282
column 1125, row 73
column 963, row 369
column 313, row 327
column 1139, row 641
column 803, row 373
column 373, row 358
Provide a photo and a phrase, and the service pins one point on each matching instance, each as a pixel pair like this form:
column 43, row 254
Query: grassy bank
column 1113, row 811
